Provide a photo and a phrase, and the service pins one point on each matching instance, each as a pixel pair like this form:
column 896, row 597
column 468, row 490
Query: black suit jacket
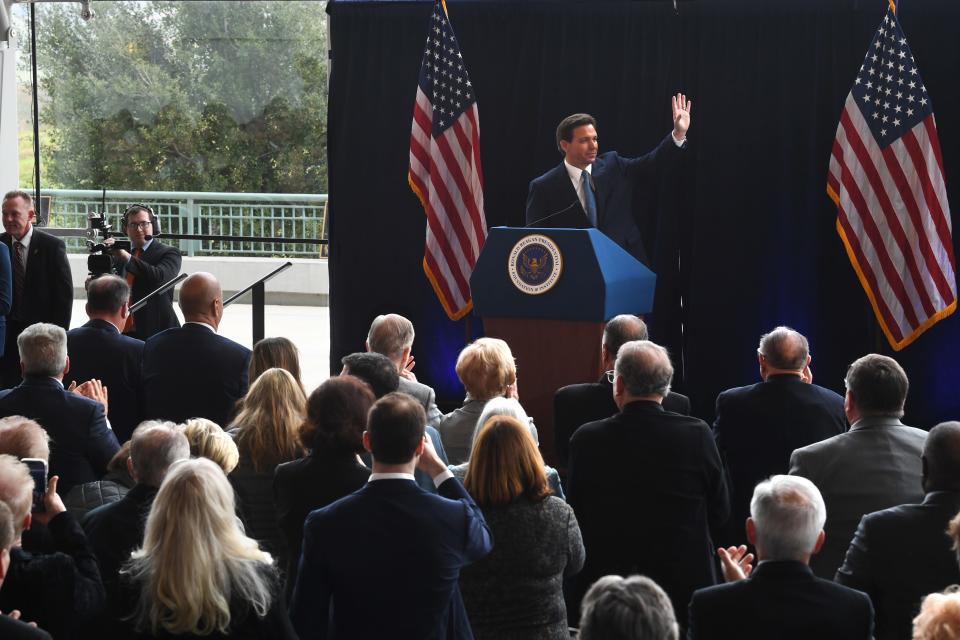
column 647, row 485
column 901, row 554
column 553, row 203
column 757, row 428
column 417, row 541
column 155, row 266
column 98, row 350
column 81, row 443
column 577, row 404
column 11, row 629
column 780, row 601
column 301, row 486
column 191, row 372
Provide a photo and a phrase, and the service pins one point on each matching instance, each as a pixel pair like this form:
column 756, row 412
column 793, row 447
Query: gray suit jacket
column 425, row 396
column 876, row 465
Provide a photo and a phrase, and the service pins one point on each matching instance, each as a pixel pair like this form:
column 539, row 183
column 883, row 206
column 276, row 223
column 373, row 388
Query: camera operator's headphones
column 134, row 208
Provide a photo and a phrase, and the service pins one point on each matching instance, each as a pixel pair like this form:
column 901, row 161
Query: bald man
column 190, row 371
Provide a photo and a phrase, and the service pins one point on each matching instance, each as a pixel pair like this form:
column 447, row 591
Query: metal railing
column 274, row 215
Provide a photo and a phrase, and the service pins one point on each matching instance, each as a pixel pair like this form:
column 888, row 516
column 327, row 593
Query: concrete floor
column 307, row 327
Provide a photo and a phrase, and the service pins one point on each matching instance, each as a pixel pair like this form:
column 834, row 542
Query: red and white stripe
column 895, row 220
column 445, row 172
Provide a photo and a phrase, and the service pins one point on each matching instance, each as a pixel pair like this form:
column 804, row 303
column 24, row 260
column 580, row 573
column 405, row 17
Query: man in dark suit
column 98, row 350
column 116, row 529
column 901, row 554
column 647, row 485
column 190, row 371
column 151, row 264
column 780, row 598
column 757, row 427
column 578, row 404
column 42, row 281
column 82, row 442
column 11, row 628
column 416, row 542
column 590, row 190
column 873, row 466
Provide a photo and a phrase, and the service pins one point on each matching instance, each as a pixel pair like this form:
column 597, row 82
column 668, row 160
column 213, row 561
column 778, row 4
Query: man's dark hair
column 878, row 385
column 941, row 455
column 395, row 427
column 375, row 369
column 107, row 294
column 568, row 124
column 622, row 329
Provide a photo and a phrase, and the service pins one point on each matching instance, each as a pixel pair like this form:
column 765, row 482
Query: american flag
column 886, row 178
column 445, row 166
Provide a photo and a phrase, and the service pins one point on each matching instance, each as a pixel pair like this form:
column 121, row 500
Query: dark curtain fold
column 743, row 233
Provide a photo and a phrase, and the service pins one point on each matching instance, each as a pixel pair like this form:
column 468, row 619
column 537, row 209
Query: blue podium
column 548, row 293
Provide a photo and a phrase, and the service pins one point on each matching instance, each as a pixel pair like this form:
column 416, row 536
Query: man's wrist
column 441, row 477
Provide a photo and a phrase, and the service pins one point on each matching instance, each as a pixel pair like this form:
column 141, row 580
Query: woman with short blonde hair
column 197, row 574
column 208, row 440
column 517, row 591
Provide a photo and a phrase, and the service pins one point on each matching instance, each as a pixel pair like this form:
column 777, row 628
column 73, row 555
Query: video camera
column 98, row 230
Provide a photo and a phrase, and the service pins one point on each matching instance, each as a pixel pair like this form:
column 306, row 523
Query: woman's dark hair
column 337, row 415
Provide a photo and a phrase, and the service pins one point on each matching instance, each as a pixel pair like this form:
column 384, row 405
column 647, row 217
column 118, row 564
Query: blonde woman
column 266, row 433
column 487, row 370
column 208, row 440
column 197, row 574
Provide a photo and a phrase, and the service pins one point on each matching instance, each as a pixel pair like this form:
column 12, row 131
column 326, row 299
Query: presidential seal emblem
column 535, row 264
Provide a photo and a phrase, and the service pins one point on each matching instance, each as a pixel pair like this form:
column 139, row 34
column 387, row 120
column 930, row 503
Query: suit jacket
column 577, row 404
column 781, row 600
column 155, row 266
column 6, row 292
column 901, row 554
column 191, row 372
column 647, row 485
column 11, row 629
column 98, row 350
column 81, row 442
column 304, row 485
column 874, row 466
column 757, row 428
column 426, row 396
column 384, row 563
column 553, row 203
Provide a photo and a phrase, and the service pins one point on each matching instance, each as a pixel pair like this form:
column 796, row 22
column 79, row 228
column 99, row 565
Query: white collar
column 391, row 476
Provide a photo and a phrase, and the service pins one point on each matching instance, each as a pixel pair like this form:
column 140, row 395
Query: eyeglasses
column 610, row 375
column 139, row 225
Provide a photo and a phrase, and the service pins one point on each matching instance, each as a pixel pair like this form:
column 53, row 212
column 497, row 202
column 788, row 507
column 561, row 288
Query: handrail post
column 259, row 311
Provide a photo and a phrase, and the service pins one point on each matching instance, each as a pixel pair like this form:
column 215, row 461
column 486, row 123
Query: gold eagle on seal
column 533, row 266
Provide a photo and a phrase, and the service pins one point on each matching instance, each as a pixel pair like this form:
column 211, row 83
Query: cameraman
column 149, row 264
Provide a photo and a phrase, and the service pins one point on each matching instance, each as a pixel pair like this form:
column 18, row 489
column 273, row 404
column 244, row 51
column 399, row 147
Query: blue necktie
column 589, row 199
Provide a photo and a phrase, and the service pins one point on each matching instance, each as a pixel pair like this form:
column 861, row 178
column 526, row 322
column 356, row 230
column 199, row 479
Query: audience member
column 333, row 433
column 501, row 406
column 517, row 590
column 42, row 280
column 903, row 553
column 190, row 371
column 665, row 462
column 634, row 608
column 266, row 435
column 274, row 352
column 377, row 371
column 873, row 466
column 392, row 335
column 98, row 350
column 758, row 426
column 781, row 598
column 116, row 529
column 197, row 575
column 578, row 404
column 208, row 440
column 487, row 370
column 86, row 497
column 23, row 438
column 11, row 628
column 61, row 590
column 418, row 542
column 82, row 440
column 939, row 617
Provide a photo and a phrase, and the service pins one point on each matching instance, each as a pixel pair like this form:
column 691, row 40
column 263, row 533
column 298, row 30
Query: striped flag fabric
column 886, row 178
column 445, row 171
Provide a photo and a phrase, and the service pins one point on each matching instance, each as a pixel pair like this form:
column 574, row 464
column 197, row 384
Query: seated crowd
column 195, row 488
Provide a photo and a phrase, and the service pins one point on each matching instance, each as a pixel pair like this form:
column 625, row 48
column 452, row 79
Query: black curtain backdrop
column 744, row 234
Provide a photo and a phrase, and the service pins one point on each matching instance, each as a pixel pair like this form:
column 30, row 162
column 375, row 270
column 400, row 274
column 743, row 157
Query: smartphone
column 38, row 471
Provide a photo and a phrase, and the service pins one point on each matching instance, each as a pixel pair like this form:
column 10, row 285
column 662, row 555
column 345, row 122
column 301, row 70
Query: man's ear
column 366, row 346
column 820, row 538
column 66, row 366
column 124, row 310
column 751, row 529
column 421, row 446
column 366, row 441
column 133, row 474
column 27, row 521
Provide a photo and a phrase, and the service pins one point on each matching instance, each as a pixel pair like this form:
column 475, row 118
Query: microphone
column 555, row 213
column 148, row 237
